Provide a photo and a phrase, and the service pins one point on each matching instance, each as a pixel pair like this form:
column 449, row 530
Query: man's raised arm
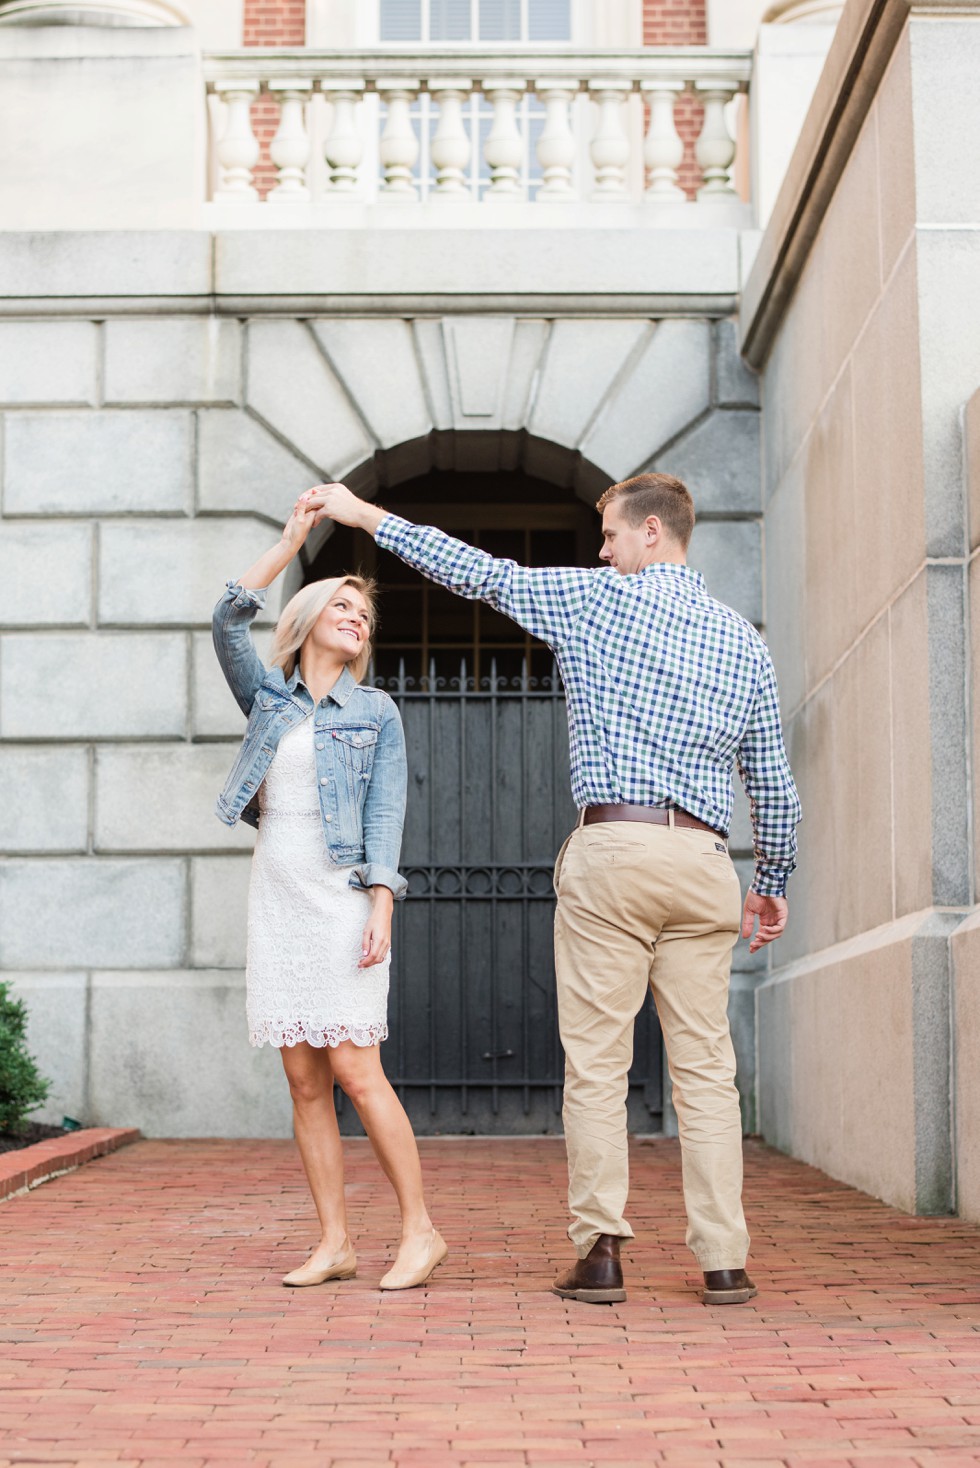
column 546, row 602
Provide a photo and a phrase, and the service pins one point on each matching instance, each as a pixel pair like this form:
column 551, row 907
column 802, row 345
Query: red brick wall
column 271, row 23
column 680, row 23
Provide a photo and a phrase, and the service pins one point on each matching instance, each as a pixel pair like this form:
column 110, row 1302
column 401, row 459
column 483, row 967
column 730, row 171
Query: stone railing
column 481, row 126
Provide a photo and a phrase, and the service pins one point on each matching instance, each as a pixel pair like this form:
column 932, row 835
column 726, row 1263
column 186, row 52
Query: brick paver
column 142, row 1323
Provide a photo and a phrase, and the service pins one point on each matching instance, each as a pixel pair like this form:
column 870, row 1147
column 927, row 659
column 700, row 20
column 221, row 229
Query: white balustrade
column 715, row 147
column 290, row 148
column 504, row 147
column 552, row 90
column 450, row 143
column 556, row 145
column 610, row 146
column 663, row 148
column 238, row 147
column 399, row 146
column 343, row 148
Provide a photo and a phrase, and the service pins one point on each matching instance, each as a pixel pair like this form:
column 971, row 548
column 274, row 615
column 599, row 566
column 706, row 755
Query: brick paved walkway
column 142, row 1323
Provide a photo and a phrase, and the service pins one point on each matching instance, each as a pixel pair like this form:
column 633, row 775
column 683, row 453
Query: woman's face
column 344, row 625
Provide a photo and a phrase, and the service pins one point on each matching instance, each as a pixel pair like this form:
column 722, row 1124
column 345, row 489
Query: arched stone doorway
column 387, row 405
column 474, row 1031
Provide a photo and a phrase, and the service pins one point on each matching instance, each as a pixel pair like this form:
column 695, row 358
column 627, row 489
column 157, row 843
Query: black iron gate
column 474, row 1037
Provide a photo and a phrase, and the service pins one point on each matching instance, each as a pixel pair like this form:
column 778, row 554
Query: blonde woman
column 322, row 774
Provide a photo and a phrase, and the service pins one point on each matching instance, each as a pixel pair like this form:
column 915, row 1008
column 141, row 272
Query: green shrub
column 22, row 1088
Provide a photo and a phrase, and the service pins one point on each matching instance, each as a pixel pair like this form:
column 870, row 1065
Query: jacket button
column 328, row 818
column 323, row 779
column 319, row 744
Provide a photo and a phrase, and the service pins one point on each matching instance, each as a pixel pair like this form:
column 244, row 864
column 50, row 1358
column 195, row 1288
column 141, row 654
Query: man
column 667, row 691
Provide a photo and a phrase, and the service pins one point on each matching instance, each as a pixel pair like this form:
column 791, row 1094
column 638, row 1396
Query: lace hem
column 318, row 1036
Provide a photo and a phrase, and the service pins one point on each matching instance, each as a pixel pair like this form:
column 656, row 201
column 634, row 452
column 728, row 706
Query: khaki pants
column 660, row 905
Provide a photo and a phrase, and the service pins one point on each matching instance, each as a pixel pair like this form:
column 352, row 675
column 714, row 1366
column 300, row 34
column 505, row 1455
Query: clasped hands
column 337, row 502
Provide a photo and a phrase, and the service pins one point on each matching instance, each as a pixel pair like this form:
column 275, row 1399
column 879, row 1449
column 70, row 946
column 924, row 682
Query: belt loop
column 581, row 818
column 670, row 816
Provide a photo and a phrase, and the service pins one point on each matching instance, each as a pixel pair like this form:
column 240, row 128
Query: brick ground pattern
column 142, row 1323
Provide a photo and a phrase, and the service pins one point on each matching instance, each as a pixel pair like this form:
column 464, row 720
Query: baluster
column 450, row 142
column 504, row 148
column 715, row 148
column 610, row 146
column 399, row 146
column 344, row 148
column 663, row 149
column 556, row 144
column 290, row 148
column 238, row 147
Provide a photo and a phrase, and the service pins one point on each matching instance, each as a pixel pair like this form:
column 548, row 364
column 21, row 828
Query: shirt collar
column 340, row 692
column 683, row 575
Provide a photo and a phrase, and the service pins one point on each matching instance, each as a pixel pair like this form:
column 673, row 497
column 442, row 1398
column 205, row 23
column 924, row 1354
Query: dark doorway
column 474, row 1044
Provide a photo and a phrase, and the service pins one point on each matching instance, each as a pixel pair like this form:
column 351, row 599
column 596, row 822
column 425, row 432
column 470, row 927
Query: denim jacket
column 360, row 749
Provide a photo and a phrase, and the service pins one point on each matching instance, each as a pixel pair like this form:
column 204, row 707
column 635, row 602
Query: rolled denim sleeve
column 384, row 810
column 548, row 602
column 769, row 784
column 231, row 623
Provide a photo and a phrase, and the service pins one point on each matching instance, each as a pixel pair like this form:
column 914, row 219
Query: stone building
column 480, row 258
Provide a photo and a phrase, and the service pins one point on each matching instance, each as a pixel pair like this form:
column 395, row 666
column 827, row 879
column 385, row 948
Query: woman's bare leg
column 357, row 1069
column 310, row 1078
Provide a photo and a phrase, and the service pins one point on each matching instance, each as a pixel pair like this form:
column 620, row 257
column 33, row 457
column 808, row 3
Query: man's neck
column 668, row 558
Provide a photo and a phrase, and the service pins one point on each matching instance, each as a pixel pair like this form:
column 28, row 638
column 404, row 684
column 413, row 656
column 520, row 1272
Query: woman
column 322, row 773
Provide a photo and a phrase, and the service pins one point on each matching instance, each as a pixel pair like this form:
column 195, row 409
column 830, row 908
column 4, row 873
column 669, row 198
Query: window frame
column 576, row 8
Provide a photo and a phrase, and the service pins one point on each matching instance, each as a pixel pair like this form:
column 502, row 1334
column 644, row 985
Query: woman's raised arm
column 237, row 609
column 274, row 561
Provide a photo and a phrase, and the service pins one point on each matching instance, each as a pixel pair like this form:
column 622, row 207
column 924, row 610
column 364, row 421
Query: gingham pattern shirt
column 668, row 690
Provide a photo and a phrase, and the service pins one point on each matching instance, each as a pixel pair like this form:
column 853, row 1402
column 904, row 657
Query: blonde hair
column 300, row 615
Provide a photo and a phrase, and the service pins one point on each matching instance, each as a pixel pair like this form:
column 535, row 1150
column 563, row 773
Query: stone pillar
column 789, row 58
column 120, row 107
column 867, row 1060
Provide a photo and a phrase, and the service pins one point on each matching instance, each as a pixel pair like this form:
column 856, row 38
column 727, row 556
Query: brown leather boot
column 727, row 1287
column 598, row 1278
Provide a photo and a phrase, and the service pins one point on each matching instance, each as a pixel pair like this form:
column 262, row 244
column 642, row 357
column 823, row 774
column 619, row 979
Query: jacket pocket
column 356, row 749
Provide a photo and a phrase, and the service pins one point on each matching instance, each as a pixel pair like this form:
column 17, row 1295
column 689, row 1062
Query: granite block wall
column 157, row 459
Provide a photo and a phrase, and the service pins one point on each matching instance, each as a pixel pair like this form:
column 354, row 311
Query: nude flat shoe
column 438, row 1251
column 344, row 1268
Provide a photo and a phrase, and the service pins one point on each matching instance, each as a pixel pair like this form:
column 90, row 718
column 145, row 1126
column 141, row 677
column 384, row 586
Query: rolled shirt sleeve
column 773, row 799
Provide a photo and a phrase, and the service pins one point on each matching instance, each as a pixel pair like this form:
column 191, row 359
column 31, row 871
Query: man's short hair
column 655, row 494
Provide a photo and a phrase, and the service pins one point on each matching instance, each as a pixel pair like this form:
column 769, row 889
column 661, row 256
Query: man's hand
column 335, row 502
column 772, row 913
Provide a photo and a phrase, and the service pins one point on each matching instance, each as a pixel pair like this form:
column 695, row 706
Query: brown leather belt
column 652, row 814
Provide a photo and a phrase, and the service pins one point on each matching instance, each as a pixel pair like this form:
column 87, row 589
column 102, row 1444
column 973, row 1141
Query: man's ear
column 654, row 529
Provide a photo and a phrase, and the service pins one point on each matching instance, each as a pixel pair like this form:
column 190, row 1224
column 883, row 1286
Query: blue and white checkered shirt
column 668, row 690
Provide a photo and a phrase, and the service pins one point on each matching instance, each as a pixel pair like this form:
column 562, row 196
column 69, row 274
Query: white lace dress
column 305, row 921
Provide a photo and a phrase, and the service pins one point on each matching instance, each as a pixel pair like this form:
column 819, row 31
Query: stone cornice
column 288, row 271
column 866, row 36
